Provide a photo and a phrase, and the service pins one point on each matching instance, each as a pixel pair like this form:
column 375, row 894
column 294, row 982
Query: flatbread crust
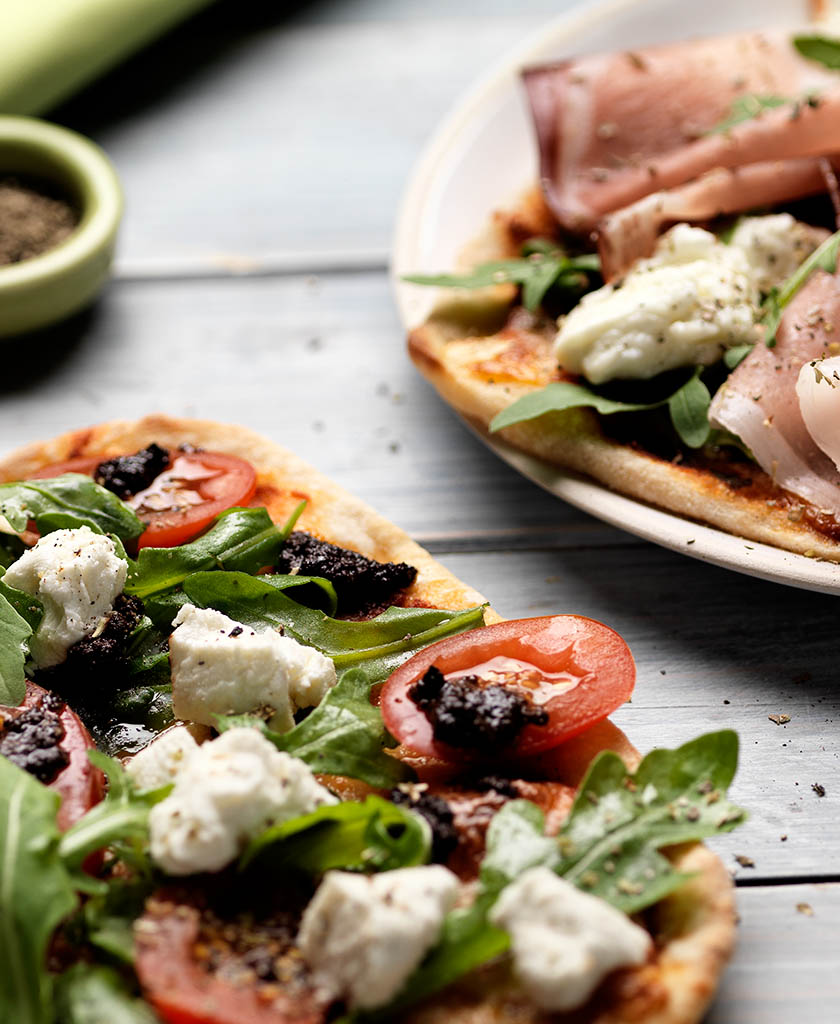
column 693, row 929
column 482, row 353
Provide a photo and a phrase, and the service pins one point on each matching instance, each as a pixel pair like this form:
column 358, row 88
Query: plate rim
column 666, row 529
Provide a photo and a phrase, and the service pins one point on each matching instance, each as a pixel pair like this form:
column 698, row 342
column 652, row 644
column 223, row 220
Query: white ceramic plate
column 484, row 155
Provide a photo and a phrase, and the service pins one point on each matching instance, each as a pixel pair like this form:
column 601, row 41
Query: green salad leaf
column 94, row 994
column 15, row 631
column 822, row 49
column 35, row 894
column 688, row 406
column 377, row 645
column 542, row 267
column 241, row 539
column 70, row 500
column 372, row 835
column 343, row 735
column 825, row 258
column 745, row 108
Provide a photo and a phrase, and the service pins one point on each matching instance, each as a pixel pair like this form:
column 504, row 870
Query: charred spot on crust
column 361, row 584
column 94, row 662
column 125, row 475
column 32, row 740
column 470, row 714
column 437, row 813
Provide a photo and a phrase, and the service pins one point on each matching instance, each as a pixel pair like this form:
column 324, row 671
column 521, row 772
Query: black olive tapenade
column 125, row 475
column 469, row 714
column 32, row 740
column 361, row 584
column 437, row 813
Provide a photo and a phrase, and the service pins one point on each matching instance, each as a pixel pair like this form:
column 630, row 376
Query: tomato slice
column 578, row 670
column 184, row 499
column 79, row 784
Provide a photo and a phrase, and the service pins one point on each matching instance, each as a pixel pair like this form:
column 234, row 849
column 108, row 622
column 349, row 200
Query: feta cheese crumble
column 221, row 667
column 157, row 764
column 76, row 574
column 226, row 792
column 363, row 936
column 775, row 246
column 564, row 941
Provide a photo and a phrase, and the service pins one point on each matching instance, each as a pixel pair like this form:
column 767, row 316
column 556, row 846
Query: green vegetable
column 14, row 634
column 89, row 994
column 70, row 500
column 242, row 539
column 745, row 108
column 825, row 258
column 378, row 645
column 733, row 357
column 688, row 406
column 544, row 266
column 819, row 48
column 35, row 894
column 343, row 735
column 374, row 835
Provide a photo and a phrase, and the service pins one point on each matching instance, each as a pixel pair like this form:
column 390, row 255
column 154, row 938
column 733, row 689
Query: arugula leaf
column 14, row 634
column 372, row 835
column 688, row 406
column 619, row 821
column 123, row 815
column 825, row 258
column 242, row 539
column 378, row 645
column 108, row 917
column 733, row 357
column 543, row 267
column 35, row 894
column 343, row 735
column 745, row 108
column 89, row 994
column 70, row 500
column 819, row 48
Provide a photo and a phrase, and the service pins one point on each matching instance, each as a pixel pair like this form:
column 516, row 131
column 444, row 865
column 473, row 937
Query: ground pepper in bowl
column 34, row 218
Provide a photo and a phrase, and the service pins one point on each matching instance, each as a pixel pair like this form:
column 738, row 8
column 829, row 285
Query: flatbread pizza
column 329, row 778
column 646, row 316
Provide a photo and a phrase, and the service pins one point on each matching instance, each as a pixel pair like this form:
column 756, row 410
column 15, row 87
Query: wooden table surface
column 263, row 156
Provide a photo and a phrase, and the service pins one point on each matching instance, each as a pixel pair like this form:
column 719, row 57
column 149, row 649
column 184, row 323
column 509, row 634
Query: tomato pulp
column 184, row 499
column 575, row 668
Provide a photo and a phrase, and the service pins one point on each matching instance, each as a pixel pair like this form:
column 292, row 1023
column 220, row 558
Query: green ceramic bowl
column 38, row 291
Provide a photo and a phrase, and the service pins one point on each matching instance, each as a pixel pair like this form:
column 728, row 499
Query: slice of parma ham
column 759, row 404
column 613, row 128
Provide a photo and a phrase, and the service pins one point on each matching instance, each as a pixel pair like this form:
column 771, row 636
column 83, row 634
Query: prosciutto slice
column 759, row 403
column 630, row 234
column 613, row 128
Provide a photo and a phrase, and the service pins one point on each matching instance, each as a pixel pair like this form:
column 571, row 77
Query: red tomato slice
column 79, row 784
column 577, row 669
column 184, row 499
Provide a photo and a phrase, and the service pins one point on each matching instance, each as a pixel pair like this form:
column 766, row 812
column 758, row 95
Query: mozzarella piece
column 818, row 391
column 157, row 764
column 227, row 791
column 564, row 941
column 775, row 246
column 684, row 306
column 76, row 574
column 363, row 936
column 220, row 667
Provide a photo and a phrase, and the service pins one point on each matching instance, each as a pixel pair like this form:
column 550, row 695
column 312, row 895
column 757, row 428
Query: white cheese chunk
column 157, row 764
column 363, row 936
column 564, row 941
column 225, row 793
column 818, row 391
column 76, row 574
column 775, row 246
column 686, row 304
column 220, row 667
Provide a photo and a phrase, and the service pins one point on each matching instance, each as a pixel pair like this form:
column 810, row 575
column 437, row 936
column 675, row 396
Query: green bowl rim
column 102, row 207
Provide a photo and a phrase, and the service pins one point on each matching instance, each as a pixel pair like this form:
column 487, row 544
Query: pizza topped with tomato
column 265, row 760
